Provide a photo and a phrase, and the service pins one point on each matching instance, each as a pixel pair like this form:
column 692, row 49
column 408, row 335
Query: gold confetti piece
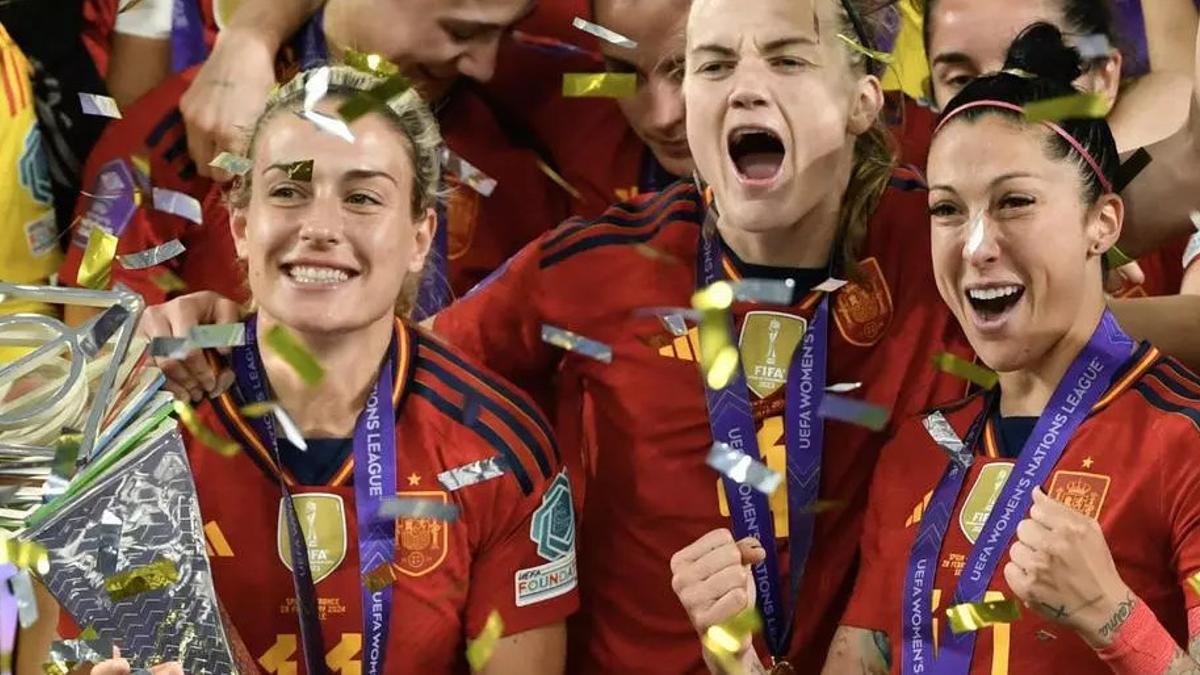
column 301, row 170
column 234, row 164
column 1117, row 258
column 479, row 650
column 290, row 350
column 89, row 633
column 718, row 356
column 222, row 446
column 656, row 254
column 380, row 578
column 824, row 506
column 258, row 409
column 169, row 282
column 152, row 256
column 573, row 342
column 96, row 269
column 716, row 296
column 972, row 616
column 1194, row 582
column 159, row 574
column 377, row 97
column 599, row 85
column 370, row 63
column 99, row 106
column 855, row 45
column 724, row 640
column 603, row 33
column 971, row 372
column 26, row 555
column 1090, row 105
column 559, row 180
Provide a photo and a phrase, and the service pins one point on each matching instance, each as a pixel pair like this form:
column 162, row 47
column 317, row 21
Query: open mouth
column 757, row 153
column 993, row 302
column 317, row 275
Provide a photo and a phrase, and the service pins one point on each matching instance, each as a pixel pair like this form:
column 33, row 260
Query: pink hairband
column 990, row 103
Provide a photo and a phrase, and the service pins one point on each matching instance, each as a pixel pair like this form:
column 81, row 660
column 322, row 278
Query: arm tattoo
column 1118, row 618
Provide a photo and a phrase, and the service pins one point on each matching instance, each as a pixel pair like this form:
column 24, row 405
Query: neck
column 1025, row 392
column 807, row 243
column 351, row 361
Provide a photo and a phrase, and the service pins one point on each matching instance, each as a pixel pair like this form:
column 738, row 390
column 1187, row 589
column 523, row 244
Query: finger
column 1049, row 512
column 225, row 310
column 225, row 380
column 179, row 378
column 114, row 666
column 1018, row 581
column 171, row 668
column 724, row 609
column 202, row 371
column 699, row 548
column 697, row 597
column 1033, row 534
column 1029, row 560
column 1133, row 273
column 180, row 393
column 200, row 147
column 751, row 550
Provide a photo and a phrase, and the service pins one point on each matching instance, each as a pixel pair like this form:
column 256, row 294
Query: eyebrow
column 783, row 43
column 994, row 182
column 528, row 11
column 353, row 174
column 719, row 50
column 951, row 59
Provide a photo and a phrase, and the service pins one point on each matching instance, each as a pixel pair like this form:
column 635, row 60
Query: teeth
column 993, row 293
column 308, row 274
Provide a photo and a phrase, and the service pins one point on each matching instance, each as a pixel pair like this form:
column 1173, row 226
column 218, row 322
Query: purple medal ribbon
column 1089, row 376
column 374, row 480
column 732, row 422
column 8, row 618
column 187, row 35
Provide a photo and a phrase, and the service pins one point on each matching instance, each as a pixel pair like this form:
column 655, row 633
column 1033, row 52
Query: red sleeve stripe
column 476, row 404
column 1182, row 391
column 1139, row 368
column 628, row 213
column 608, row 231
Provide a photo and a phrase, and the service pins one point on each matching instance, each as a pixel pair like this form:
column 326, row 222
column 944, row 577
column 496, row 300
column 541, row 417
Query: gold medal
column 781, row 667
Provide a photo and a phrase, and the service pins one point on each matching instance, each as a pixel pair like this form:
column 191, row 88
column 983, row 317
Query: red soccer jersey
column 1131, row 465
column 649, row 491
column 483, row 231
column 510, row 550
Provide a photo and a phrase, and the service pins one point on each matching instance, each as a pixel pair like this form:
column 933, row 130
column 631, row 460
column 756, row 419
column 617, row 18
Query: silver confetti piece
column 410, row 507
column 330, row 125
column 290, row 429
column 469, row 474
column 217, row 335
column 947, row 439
column 603, row 33
column 742, row 468
column 152, row 256
column 843, row 387
column 98, row 332
column 675, row 324
column 830, row 285
column 169, row 347
column 315, row 87
column 234, row 164
column 100, row 106
column 1094, row 46
column 108, row 531
column 22, row 586
column 565, row 339
column 766, row 291
column 183, row 205
column 850, row 410
column 468, row 173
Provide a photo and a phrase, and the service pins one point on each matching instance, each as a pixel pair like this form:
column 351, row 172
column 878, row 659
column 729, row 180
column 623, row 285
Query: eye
column 944, row 210
column 790, row 63
column 960, row 81
column 363, row 199
column 460, row 33
column 715, row 68
column 285, row 192
column 1014, row 201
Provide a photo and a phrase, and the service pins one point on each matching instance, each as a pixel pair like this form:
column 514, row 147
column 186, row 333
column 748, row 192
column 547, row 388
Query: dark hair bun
column 1040, row 50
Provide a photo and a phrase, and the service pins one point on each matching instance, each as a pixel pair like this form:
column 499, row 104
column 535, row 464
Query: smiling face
column 656, row 111
column 331, row 254
column 969, row 38
column 1016, row 251
column 433, row 41
column 773, row 107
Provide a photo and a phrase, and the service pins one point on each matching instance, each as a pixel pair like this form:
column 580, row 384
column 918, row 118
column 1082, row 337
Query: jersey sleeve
column 525, row 566
column 1180, row 495
column 499, row 323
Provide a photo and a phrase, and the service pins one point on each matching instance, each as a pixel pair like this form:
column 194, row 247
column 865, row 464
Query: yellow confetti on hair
column 222, row 446
column 479, row 650
column 370, row 63
column 290, row 350
column 599, row 85
column 96, row 269
column 855, row 45
column 1090, row 105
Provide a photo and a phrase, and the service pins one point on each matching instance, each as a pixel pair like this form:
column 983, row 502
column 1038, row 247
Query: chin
column 677, row 166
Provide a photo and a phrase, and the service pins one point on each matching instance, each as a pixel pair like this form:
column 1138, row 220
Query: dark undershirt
column 318, row 464
column 804, row 277
column 1014, row 431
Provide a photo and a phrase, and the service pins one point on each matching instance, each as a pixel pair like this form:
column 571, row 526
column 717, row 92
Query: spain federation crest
column 767, row 342
column 862, row 310
column 982, row 497
column 1079, row 491
column 323, row 523
column 421, row 543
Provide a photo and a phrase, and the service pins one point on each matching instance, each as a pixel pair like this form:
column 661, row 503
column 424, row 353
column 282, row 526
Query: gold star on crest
column 1087, row 462
column 414, row 479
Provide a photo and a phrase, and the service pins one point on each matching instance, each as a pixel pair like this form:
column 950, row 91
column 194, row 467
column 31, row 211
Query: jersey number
column 1000, row 632
column 280, row 657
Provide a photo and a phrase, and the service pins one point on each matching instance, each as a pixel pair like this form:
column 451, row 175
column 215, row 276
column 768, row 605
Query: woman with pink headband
column 1052, row 522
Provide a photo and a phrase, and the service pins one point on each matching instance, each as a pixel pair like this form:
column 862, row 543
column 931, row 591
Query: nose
column 321, row 223
column 478, row 62
column 981, row 246
column 749, row 89
column 666, row 106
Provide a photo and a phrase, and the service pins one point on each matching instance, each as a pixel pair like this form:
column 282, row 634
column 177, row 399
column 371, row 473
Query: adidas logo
column 684, row 347
column 919, row 511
